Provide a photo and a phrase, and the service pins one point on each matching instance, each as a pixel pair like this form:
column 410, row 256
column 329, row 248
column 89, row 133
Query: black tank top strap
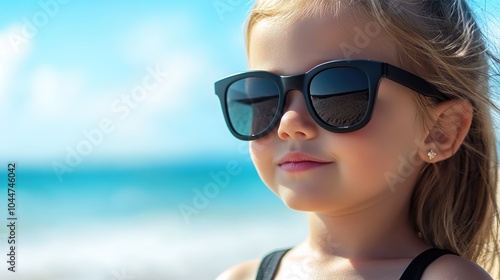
column 416, row 268
column 414, row 271
column 270, row 264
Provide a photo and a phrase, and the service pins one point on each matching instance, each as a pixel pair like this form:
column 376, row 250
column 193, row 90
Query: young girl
column 375, row 118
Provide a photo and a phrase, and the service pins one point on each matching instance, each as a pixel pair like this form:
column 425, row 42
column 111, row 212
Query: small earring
column 431, row 154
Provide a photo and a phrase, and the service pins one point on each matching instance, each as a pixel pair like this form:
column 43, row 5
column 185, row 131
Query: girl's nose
column 296, row 122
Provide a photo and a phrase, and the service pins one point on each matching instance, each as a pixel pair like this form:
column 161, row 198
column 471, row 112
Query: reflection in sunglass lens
column 252, row 104
column 340, row 96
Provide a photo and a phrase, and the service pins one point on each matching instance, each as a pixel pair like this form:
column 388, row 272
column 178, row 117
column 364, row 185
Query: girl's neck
column 378, row 232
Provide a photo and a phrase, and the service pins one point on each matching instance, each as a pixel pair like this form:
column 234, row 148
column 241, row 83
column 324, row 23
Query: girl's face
column 312, row 169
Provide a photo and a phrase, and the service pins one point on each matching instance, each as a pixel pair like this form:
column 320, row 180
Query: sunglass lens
column 252, row 105
column 340, row 96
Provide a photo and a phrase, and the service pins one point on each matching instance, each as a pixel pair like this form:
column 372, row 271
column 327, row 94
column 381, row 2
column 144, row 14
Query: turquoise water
column 107, row 192
column 103, row 221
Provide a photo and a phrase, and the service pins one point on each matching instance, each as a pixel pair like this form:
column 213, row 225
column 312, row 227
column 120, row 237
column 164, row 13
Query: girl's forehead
column 290, row 48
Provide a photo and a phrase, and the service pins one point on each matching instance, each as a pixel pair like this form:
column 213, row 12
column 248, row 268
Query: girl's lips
column 299, row 166
column 296, row 162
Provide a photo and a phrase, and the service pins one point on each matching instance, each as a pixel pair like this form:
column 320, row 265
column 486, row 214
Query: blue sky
column 71, row 68
column 66, row 68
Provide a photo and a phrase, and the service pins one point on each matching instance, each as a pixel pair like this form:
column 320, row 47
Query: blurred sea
column 105, row 222
column 113, row 223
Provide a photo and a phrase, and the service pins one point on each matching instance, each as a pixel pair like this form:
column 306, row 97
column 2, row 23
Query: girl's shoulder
column 242, row 271
column 454, row 267
column 445, row 267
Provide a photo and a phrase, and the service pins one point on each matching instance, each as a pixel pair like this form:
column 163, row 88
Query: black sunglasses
column 340, row 95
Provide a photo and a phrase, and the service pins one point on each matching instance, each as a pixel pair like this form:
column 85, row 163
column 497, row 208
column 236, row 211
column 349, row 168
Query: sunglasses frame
column 374, row 71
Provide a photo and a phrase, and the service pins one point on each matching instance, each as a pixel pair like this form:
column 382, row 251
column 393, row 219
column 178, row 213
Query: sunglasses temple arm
column 412, row 81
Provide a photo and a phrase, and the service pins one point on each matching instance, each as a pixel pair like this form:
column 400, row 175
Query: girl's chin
column 307, row 202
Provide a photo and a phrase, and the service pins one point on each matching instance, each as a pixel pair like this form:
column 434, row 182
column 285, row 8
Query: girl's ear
column 451, row 121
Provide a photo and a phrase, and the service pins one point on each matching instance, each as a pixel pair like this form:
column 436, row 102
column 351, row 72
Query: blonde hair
column 454, row 204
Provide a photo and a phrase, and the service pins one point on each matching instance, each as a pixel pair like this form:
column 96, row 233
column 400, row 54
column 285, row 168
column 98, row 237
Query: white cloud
column 47, row 114
column 54, row 94
column 151, row 38
column 45, row 88
column 186, row 73
column 10, row 59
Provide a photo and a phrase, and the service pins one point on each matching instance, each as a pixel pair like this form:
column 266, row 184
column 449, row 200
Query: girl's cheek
column 261, row 154
column 392, row 126
column 389, row 136
column 257, row 150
